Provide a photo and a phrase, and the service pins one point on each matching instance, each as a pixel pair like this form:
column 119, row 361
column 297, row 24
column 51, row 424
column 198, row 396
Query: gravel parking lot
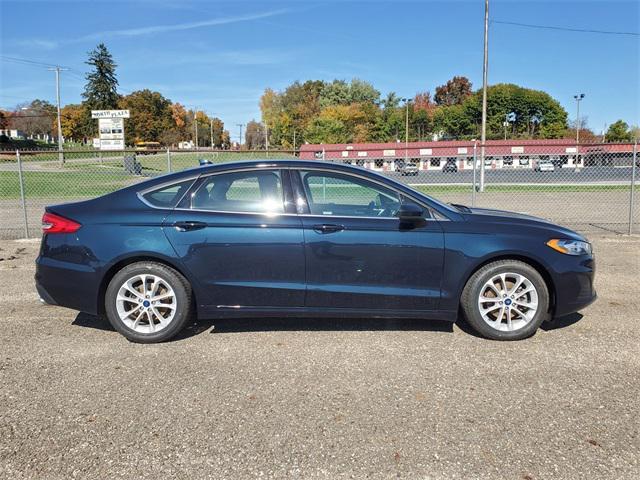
column 310, row 399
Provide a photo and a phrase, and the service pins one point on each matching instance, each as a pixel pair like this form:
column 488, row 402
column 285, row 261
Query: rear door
column 358, row 255
column 235, row 236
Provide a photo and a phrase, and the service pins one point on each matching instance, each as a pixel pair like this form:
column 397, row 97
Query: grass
column 80, row 181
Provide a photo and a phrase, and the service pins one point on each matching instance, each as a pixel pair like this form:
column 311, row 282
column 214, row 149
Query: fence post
column 168, row 160
column 633, row 184
column 475, row 161
column 22, row 196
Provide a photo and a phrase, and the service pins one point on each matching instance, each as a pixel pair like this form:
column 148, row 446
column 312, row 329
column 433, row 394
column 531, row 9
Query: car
column 545, row 166
column 304, row 239
column 408, row 168
column 450, row 167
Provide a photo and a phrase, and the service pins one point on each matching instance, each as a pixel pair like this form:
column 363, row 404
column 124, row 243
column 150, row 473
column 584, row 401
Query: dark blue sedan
column 301, row 238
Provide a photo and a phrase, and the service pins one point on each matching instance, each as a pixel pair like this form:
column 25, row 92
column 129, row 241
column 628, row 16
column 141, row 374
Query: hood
column 487, row 215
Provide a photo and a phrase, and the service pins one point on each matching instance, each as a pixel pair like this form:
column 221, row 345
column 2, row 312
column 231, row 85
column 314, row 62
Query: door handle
column 184, row 226
column 328, row 228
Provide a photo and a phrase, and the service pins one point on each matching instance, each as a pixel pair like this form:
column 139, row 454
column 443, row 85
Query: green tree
column 619, row 132
column 101, row 90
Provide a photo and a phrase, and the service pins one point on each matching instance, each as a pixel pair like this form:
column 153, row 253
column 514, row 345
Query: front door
column 234, row 236
column 358, row 255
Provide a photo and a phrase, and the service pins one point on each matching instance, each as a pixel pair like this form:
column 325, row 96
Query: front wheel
column 506, row 300
column 148, row 302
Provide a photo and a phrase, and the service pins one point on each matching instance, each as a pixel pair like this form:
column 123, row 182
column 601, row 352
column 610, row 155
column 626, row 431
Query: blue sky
column 220, row 56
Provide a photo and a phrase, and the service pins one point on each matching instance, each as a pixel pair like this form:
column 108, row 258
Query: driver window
column 336, row 194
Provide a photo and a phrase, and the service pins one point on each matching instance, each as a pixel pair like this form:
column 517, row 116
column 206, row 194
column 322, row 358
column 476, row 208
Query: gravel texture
column 326, row 399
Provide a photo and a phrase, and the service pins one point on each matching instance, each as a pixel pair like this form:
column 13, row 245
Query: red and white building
column 499, row 154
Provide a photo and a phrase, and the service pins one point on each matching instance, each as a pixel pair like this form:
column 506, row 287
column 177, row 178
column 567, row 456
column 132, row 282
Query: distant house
column 13, row 133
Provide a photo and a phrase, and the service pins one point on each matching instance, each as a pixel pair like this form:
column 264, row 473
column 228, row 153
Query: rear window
column 167, row 196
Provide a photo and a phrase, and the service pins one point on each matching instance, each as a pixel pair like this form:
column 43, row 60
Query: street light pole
column 406, row 101
column 195, row 125
column 211, row 128
column 578, row 98
column 60, row 151
column 485, row 65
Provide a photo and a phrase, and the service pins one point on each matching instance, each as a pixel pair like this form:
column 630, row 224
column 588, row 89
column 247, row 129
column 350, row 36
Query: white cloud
column 153, row 29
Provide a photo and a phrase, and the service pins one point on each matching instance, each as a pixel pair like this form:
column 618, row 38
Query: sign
column 109, row 113
column 462, row 150
column 517, row 149
column 111, row 133
column 111, row 128
column 96, row 143
column 388, row 153
column 426, row 151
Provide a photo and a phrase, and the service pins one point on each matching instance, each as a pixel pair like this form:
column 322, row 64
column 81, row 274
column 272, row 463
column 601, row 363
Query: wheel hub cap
column 146, row 303
column 508, row 301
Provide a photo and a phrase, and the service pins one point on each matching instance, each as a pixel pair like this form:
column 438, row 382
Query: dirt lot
column 321, row 399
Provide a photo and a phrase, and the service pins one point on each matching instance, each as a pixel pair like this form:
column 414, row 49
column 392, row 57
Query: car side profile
column 304, row 239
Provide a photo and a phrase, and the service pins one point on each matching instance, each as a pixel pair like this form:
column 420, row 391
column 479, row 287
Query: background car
column 407, row 168
column 545, row 166
column 450, row 167
column 304, row 238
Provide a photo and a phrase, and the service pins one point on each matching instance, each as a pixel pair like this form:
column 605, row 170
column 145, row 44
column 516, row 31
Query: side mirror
column 410, row 213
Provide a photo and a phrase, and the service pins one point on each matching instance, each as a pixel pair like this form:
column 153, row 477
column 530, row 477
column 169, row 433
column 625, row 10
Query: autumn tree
column 72, row 119
column 254, row 136
column 150, row 115
column 454, row 92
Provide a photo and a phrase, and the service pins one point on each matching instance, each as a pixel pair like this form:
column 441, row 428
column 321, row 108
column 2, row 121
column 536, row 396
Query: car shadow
column 562, row 322
column 270, row 324
column 92, row 321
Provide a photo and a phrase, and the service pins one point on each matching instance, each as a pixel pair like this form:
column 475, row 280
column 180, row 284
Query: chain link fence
column 589, row 188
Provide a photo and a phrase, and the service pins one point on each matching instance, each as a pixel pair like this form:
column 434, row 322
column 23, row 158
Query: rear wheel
column 148, row 302
column 506, row 300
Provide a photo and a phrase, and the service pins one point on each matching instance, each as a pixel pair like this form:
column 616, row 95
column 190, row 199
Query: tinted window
column 336, row 194
column 251, row 192
column 169, row 195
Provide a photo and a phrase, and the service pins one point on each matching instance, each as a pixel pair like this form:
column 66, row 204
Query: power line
column 566, row 29
column 27, row 61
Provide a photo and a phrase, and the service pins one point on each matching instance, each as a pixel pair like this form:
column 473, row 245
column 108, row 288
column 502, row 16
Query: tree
column 254, row 136
column 150, row 115
column 101, row 90
column 619, row 132
column 34, row 118
column 454, row 92
column 72, row 119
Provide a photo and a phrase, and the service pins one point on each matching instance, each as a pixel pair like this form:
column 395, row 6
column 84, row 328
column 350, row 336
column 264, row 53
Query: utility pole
column 505, row 124
column 578, row 98
column 604, row 132
column 485, row 65
column 240, row 141
column 294, row 140
column 60, row 151
column 266, row 137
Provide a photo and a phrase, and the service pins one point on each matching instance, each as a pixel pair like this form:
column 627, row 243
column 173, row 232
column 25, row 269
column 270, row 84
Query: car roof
column 279, row 162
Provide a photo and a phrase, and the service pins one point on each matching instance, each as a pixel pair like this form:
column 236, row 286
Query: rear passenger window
column 167, row 196
column 247, row 192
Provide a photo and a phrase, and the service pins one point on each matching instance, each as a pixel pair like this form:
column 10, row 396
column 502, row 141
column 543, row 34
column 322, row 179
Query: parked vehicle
column 408, row 168
column 147, row 148
column 304, row 238
column 450, row 167
column 545, row 166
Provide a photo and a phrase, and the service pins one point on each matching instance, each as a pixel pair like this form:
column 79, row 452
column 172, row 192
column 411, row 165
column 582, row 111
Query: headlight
column 570, row 247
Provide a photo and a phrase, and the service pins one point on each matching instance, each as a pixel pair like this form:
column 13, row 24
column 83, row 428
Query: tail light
column 52, row 223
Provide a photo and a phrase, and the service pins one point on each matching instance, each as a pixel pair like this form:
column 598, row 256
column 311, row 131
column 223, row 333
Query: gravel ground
column 326, row 399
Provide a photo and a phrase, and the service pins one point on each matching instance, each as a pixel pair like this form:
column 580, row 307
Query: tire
column 512, row 317
column 148, row 302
